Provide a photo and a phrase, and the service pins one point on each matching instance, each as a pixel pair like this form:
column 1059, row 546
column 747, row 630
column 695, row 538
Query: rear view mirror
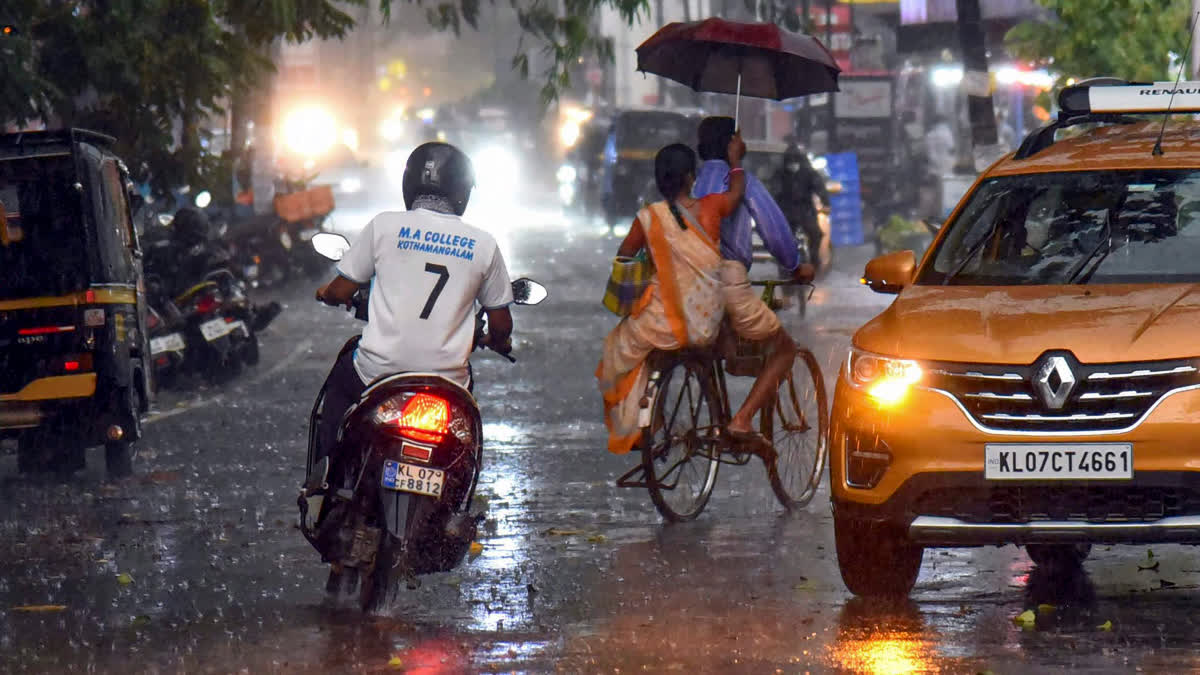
column 528, row 292
column 330, row 245
column 890, row 273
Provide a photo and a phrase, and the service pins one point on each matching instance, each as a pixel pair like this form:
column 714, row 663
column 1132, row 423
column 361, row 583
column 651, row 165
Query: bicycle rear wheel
column 797, row 424
column 680, row 453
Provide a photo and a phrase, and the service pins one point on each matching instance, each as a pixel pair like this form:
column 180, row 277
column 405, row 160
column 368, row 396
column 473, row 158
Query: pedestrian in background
column 797, row 188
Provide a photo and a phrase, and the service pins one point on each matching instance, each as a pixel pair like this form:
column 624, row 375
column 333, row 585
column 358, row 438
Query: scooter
column 397, row 504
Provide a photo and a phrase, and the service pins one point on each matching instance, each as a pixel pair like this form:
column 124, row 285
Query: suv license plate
column 410, row 478
column 1058, row 461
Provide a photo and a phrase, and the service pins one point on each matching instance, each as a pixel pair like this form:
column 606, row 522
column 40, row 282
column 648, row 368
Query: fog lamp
column 867, row 460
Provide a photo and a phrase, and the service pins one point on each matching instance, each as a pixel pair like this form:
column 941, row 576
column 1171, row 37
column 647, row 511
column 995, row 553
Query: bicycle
column 686, row 407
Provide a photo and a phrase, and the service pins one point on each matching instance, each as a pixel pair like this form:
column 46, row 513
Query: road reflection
column 883, row 637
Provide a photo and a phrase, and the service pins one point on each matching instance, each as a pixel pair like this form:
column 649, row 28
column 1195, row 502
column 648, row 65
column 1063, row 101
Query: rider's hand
column 737, row 148
column 804, row 273
column 505, row 347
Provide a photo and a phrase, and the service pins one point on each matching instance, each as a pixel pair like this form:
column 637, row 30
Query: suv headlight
column 885, row 379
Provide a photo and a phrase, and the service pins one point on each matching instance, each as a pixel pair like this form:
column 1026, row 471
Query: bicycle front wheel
column 798, row 426
column 680, row 455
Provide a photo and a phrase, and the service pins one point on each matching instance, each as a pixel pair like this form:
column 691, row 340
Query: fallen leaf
column 1046, row 609
column 395, row 663
column 562, row 532
column 39, row 608
column 1106, row 626
column 475, row 550
column 124, row 579
column 1026, row 620
column 597, row 539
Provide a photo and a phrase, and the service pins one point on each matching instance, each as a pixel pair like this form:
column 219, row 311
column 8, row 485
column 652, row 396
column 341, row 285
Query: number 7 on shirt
column 443, row 277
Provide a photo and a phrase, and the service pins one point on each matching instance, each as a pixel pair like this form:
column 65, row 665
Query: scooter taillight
column 205, row 304
column 424, row 417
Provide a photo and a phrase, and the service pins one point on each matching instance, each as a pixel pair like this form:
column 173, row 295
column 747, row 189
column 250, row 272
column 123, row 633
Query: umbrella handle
column 737, row 106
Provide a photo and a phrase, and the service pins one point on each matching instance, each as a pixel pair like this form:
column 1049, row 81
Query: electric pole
column 1195, row 71
column 976, row 81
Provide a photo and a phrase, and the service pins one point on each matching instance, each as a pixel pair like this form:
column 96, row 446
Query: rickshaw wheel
column 118, row 455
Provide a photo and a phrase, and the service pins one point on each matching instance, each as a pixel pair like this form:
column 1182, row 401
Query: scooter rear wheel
column 376, row 588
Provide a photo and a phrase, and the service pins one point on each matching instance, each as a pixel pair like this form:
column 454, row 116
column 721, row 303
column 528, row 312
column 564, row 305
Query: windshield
column 1096, row 227
column 42, row 250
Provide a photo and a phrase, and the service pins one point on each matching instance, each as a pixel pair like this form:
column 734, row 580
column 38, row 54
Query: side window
column 116, row 194
column 112, row 223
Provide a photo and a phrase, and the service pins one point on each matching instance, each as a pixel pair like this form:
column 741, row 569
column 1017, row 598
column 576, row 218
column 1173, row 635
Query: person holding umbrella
column 764, row 61
column 750, row 317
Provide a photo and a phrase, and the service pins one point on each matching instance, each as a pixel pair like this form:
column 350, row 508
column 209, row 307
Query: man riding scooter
column 427, row 268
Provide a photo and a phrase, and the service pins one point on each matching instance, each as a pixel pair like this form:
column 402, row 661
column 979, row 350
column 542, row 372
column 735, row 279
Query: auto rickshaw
column 634, row 139
column 74, row 353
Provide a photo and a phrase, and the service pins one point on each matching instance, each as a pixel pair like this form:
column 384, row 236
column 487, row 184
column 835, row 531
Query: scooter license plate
column 166, row 343
column 219, row 328
column 410, row 478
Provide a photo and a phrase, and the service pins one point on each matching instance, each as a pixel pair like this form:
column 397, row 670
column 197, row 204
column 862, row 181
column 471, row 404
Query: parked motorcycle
column 397, row 504
column 165, row 323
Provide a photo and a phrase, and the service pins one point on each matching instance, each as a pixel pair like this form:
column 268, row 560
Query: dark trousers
column 343, row 388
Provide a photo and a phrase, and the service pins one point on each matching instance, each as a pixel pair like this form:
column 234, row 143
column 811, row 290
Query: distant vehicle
column 74, row 355
column 634, row 138
column 1037, row 379
column 580, row 177
column 346, row 174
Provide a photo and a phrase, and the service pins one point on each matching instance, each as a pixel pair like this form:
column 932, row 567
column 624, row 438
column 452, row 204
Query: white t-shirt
column 427, row 270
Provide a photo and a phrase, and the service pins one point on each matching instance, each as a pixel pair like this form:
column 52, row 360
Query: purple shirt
column 736, row 241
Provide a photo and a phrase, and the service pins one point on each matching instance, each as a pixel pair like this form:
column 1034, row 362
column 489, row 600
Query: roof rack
column 1108, row 100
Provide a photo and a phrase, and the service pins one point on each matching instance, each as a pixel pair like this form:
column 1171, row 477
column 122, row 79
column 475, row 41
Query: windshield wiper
column 971, row 253
column 1105, row 243
column 975, row 248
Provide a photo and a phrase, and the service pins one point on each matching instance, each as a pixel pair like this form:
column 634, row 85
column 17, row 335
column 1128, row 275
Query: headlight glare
column 887, row 380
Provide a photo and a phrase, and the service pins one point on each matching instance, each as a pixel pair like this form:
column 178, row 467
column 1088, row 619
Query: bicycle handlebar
column 775, row 283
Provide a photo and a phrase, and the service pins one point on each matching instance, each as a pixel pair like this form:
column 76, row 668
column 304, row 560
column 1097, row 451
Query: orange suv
column 1037, row 379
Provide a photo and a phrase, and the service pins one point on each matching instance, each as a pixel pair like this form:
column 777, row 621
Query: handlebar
column 775, row 283
column 769, row 286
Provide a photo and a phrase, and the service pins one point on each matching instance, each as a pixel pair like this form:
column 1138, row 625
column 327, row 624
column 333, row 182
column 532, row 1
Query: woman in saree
column 683, row 306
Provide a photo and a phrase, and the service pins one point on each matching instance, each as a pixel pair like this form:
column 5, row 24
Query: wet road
column 195, row 565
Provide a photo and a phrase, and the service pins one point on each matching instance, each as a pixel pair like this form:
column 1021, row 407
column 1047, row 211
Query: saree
column 682, row 307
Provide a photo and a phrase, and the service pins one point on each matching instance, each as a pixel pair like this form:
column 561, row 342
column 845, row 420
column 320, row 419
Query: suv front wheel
column 875, row 559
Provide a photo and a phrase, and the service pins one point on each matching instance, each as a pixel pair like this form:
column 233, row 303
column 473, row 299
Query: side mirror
column 890, row 273
column 330, row 245
column 528, row 292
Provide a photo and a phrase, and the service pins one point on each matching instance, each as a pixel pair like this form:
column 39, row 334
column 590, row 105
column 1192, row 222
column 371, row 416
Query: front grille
column 1023, row 504
column 1104, row 397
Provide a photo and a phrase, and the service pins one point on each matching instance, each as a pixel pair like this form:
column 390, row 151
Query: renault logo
column 1054, row 381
